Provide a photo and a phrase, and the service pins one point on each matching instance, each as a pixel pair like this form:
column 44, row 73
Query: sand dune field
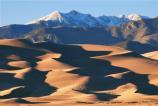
column 84, row 74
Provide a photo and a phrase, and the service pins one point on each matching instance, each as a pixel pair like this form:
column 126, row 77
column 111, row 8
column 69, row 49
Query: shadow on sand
column 32, row 85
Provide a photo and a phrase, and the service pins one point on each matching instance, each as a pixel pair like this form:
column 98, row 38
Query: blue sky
column 23, row 11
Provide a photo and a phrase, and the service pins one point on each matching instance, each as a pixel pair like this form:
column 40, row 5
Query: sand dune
column 152, row 55
column 53, row 74
column 15, row 42
column 134, row 62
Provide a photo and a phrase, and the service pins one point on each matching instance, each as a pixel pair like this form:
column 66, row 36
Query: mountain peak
column 53, row 16
column 134, row 17
column 55, row 13
column 74, row 12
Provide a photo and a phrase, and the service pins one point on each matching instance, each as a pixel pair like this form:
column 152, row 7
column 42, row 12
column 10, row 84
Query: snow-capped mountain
column 77, row 19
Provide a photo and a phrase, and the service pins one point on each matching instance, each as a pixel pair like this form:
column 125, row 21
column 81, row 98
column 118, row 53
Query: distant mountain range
column 77, row 19
column 131, row 32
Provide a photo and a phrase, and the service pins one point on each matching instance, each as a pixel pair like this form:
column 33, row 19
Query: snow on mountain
column 79, row 19
column 135, row 17
column 111, row 20
column 54, row 16
column 74, row 18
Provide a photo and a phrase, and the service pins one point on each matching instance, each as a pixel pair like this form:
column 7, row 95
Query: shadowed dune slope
column 48, row 73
